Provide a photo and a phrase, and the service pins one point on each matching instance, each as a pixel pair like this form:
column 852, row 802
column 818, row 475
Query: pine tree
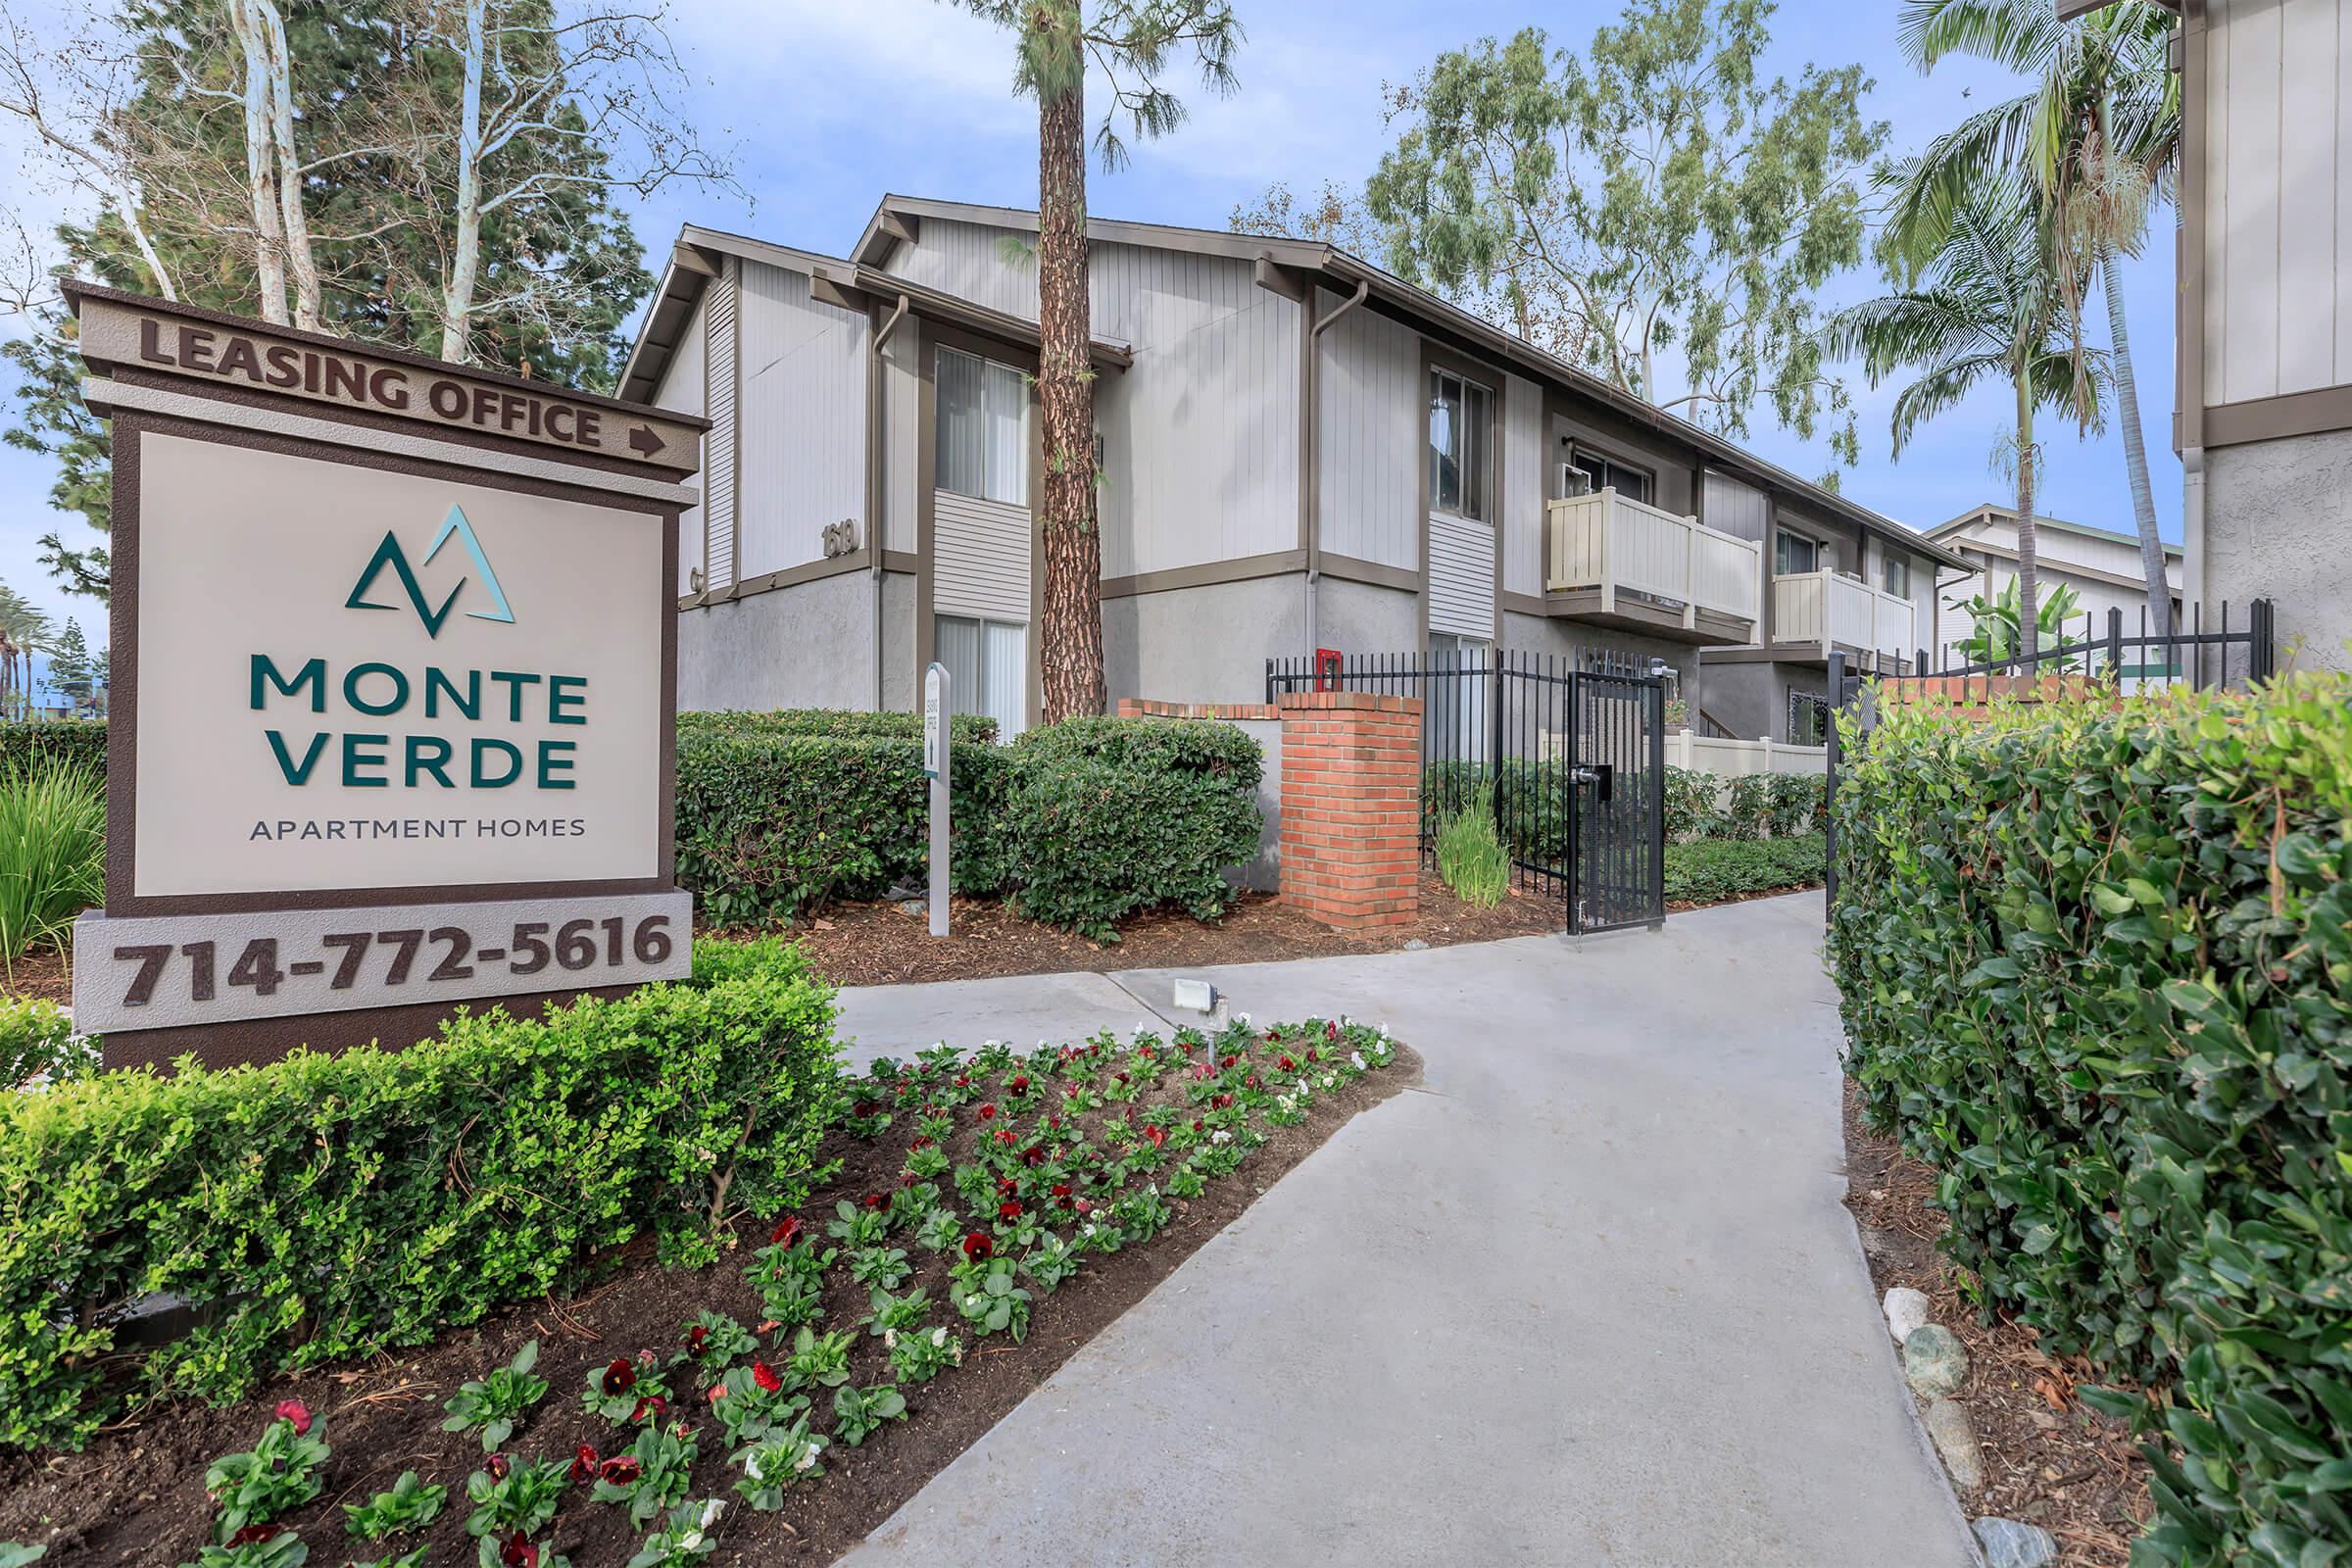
column 69, row 669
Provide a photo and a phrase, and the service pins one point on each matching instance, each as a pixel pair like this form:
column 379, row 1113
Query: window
column 1455, row 712
column 1898, row 576
column 1587, row 471
column 987, row 668
column 1809, row 718
column 983, row 428
column 1793, row 555
column 1460, row 435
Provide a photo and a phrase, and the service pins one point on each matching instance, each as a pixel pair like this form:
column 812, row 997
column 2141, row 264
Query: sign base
column 257, row 1041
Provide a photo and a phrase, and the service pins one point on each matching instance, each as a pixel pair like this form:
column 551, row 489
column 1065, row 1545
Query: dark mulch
column 41, row 974
column 136, row 1497
column 2049, row 1459
column 879, row 944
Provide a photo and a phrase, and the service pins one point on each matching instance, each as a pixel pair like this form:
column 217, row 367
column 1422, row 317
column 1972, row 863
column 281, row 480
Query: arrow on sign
column 643, row 441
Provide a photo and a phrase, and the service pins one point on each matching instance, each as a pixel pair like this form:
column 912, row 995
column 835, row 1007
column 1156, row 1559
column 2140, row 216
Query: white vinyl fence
column 1734, row 758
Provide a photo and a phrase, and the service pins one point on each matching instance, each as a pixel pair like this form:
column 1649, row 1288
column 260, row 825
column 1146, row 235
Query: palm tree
column 1130, row 42
column 2098, row 133
column 1985, row 304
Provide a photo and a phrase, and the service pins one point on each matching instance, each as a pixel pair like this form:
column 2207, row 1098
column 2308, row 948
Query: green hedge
column 63, row 740
column 773, row 823
column 1711, row 870
column 37, row 1040
column 1702, row 804
column 1105, row 817
column 2097, row 968
column 328, row 1207
column 841, row 723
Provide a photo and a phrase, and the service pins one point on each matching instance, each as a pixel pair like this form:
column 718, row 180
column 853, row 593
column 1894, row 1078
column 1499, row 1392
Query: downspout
column 1310, row 391
column 874, row 478
column 2193, row 530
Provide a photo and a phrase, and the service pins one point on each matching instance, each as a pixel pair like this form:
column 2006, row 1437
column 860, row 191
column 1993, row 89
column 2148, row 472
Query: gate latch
column 1603, row 774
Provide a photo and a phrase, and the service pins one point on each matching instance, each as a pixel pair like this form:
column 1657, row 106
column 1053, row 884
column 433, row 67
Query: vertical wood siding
column 902, row 417
column 2279, row 215
column 1522, row 497
column 719, row 487
column 681, row 391
column 1729, row 506
column 803, row 401
column 980, row 557
column 1369, row 404
column 1462, row 576
column 988, row 265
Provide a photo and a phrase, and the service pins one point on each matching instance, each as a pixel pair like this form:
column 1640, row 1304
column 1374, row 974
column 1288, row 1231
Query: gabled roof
column 694, row 262
column 1994, row 509
column 897, row 221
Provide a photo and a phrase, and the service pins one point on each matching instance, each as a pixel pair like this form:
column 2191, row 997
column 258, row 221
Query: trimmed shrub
column 1693, row 802
column 840, row 723
column 37, row 1040
column 69, row 741
column 1711, row 870
column 328, row 1207
column 52, row 852
column 775, row 822
column 2097, row 968
column 1105, row 817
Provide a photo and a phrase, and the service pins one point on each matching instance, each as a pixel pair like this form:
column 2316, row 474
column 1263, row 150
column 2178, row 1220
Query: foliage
column 408, row 1506
column 275, row 1477
column 774, row 1463
column 2095, row 960
column 71, row 742
column 1713, row 870
column 52, row 854
column 37, row 1040
column 1994, row 622
column 70, row 669
column 1105, row 818
column 517, row 1497
column 652, row 1475
column 1471, row 858
column 682, row 1538
column 752, row 1403
column 305, row 1206
column 495, row 1405
column 859, row 1413
column 835, row 723
column 1655, row 193
column 713, row 1342
column 1333, row 215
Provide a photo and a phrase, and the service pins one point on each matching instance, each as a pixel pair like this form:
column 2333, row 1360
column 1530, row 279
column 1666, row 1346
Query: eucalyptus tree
column 2099, row 132
column 1133, row 43
column 1985, row 305
column 1657, row 195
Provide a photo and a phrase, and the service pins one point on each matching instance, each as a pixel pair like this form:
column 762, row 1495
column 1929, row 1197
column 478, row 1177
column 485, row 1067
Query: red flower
column 765, row 1376
column 1331, row 1031
column 1251, row 1082
column 495, row 1467
column 296, row 1412
column 1157, row 1135
column 963, row 1080
column 877, row 1200
column 1008, row 1211
column 906, row 1179
column 786, row 1229
column 988, row 1114
column 719, row 1392
column 1312, row 1054
column 518, row 1552
column 865, row 1107
column 1082, row 1206
column 619, row 1471
column 1005, row 1136
column 1229, row 1061
column 697, row 1341
column 255, row 1535
column 918, row 1145
column 653, row 1408
column 1007, row 1187
column 1286, row 1063
column 584, row 1463
column 1220, row 1101
column 1034, row 1155
column 619, row 1377
column 1019, row 1085
column 1054, row 1122
column 977, row 1247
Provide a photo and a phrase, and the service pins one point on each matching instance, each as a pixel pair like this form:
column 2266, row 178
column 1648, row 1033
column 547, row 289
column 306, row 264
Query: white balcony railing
column 1841, row 611
column 1611, row 543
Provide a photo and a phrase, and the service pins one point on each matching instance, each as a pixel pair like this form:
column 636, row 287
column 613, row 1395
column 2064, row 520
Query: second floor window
column 1898, row 576
column 1793, row 555
column 983, row 428
column 1461, row 431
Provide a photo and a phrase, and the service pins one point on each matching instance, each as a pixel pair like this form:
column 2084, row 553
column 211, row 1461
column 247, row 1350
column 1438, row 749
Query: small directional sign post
column 934, row 768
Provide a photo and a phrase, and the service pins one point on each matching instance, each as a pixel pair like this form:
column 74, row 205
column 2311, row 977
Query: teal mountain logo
column 390, row 555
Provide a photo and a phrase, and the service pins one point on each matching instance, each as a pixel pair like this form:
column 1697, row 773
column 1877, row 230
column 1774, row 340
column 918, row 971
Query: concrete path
column 1586, row 1296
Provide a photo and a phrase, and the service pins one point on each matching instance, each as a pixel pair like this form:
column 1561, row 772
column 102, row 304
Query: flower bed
column 991, row 1213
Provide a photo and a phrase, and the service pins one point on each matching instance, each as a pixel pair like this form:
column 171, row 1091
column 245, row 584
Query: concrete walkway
column 1588, row 1296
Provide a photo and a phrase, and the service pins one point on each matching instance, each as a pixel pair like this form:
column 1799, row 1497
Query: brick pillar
column 1351, row 807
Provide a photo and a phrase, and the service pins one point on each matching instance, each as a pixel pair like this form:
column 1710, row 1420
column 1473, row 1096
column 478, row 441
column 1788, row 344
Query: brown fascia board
column 873, row 247
column 939, row 306
column 1994, row 510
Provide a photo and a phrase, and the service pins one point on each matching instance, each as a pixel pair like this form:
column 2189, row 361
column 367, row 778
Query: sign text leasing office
column 394, row 655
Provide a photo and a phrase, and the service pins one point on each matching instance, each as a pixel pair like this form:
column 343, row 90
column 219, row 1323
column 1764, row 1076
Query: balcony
column 1623, row 562
column 1829, row 611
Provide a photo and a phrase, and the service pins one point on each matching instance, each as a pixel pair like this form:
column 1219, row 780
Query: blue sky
column 829, row 106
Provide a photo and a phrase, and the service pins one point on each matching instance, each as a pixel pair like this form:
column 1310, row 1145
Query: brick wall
column 1148, row 707
column 1351, row 807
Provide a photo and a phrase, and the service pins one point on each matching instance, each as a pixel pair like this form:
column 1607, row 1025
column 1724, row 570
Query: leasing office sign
column 395, row 726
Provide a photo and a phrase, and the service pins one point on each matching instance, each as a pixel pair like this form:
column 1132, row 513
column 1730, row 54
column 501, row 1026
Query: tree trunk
column 2135, row 453
column 1070, row 641
column 2029, row 586
column 261, row 191
column 272, row 29
column 457, row 294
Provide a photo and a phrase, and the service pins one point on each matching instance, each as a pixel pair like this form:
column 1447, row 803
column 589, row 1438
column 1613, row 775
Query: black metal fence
column 2192, row 654
column 1570, row 762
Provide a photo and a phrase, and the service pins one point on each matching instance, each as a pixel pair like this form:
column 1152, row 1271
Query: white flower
column 807, row 1458
column 1241, row 1018
column 890, row 1339
column 1357, row 1057
column 1330, row 1079
column 692, row 1541
column 710, row 1511
column 1220, row 1136
column 750, row 1466
column 939, row 1335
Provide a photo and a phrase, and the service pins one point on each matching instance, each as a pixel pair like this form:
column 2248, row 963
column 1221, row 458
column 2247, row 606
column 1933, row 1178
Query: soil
column 2049, row 1459
column 136, row 1497
column 41, row 974
column 881, row 943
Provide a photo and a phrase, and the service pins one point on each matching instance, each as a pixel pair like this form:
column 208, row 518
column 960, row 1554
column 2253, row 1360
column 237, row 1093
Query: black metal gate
column 1572, row 764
